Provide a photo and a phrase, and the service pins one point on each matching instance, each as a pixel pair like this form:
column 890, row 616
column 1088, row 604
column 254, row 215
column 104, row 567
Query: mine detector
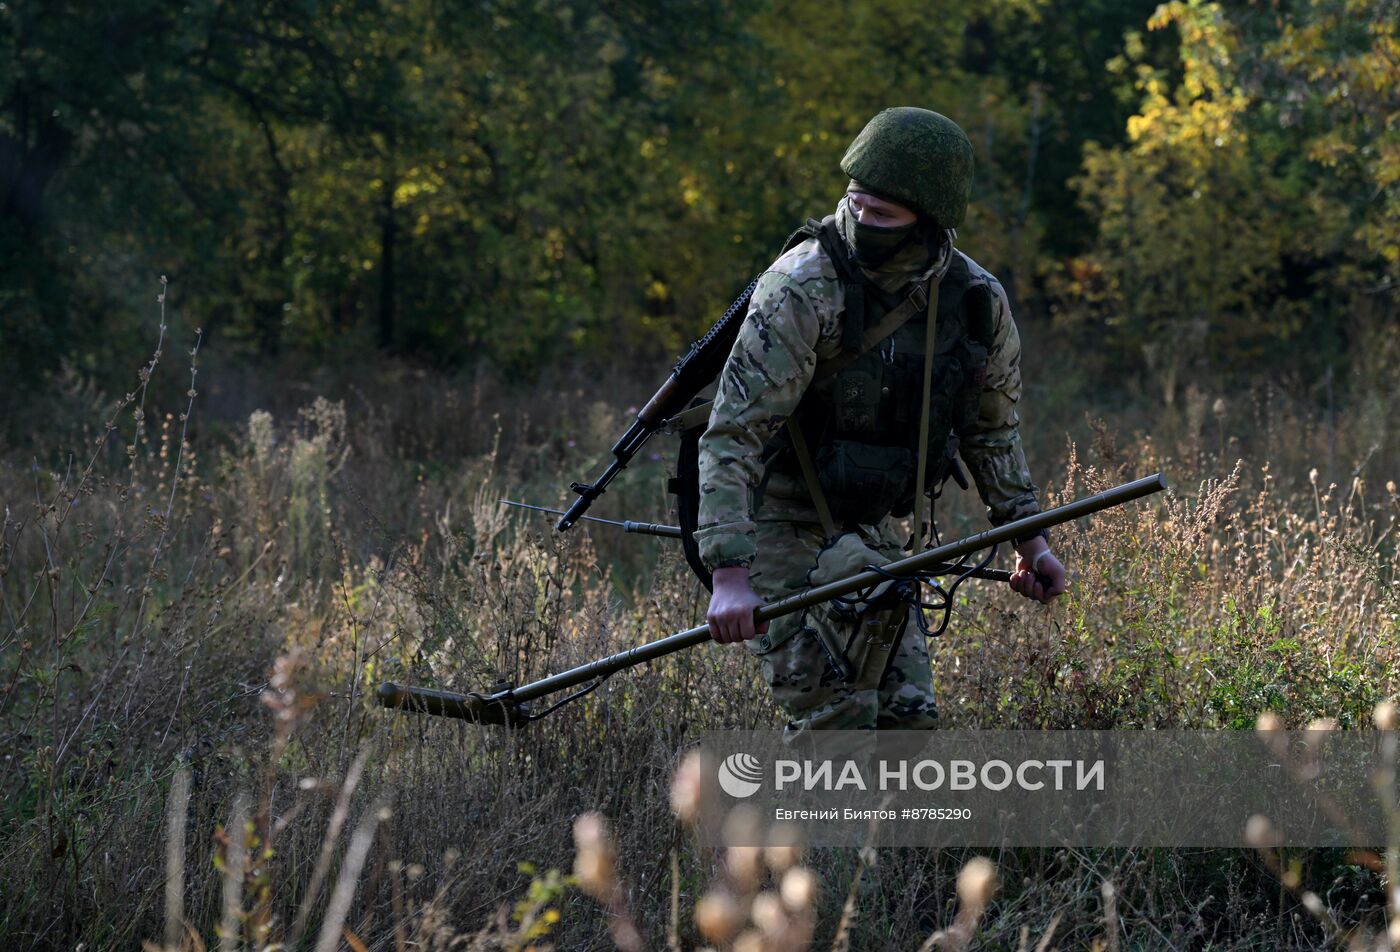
column 928, row 578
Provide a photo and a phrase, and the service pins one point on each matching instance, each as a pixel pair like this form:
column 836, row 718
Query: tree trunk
column 388, row 236
column 25, row 174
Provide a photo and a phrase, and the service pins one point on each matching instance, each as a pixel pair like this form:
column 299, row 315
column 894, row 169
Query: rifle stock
column 507, row 706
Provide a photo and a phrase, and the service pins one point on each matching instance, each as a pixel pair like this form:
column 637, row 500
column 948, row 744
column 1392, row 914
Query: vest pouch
column 940, row 467
column 969, row 401
column 863, row 482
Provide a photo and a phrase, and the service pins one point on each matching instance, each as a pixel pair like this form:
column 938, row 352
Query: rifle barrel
column 911, row 565
column 626, row 525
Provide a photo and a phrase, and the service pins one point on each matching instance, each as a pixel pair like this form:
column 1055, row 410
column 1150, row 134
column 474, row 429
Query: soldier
column 817, row 439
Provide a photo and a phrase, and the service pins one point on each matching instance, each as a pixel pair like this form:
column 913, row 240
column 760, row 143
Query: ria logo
column 740, row 775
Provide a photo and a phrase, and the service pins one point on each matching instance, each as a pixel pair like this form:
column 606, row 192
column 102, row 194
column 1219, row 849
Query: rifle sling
column 809, row 475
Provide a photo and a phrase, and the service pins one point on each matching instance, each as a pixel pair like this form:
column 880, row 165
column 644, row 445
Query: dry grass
column 187, row 643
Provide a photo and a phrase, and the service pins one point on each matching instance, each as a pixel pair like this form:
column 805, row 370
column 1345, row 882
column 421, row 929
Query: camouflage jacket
column 793, row 322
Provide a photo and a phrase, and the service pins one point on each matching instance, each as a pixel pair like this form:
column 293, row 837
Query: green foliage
column 1205, row 188
column 499, row 183
column 1256, row 670
column 1254, row 202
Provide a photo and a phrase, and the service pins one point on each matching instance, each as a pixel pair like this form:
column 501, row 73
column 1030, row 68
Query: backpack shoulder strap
column 811, row 229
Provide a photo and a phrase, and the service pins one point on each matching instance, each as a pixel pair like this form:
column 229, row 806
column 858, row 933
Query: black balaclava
column 875, row 246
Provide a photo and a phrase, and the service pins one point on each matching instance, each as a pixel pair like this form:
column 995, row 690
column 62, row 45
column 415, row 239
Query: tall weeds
column 190, row 634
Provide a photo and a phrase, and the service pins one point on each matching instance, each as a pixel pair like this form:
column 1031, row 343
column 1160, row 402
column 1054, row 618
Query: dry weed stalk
column 1262, row 836
column 595, row 869
column 977, row 884
column 141, row 609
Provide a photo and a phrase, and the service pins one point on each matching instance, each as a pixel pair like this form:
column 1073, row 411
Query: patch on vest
column 856, row 402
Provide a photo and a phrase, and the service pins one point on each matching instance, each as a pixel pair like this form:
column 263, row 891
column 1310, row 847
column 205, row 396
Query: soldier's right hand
column 732, row 605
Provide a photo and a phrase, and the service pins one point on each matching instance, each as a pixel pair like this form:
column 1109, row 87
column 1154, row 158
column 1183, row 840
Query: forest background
column 429, row 252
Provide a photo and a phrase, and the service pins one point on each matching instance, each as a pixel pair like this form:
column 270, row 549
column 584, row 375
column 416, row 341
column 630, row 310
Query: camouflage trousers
column 892, row 689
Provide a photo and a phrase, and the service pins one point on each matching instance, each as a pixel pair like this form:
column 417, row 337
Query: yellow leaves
column 1190, row 133
column 661, row 81
column 1200, row 116
column 408, row 191
column 1165, row 15
column 1387, row 164
column 1330, row 149
column 1085, row 278
column 554, row 244
column 657, row 291
column 690, row 191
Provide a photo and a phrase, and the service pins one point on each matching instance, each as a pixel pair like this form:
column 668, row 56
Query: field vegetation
column 425, row 261
column 192, row 641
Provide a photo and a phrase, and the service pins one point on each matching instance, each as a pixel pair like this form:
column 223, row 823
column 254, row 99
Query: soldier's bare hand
column 732, row 605
column 1039, row 575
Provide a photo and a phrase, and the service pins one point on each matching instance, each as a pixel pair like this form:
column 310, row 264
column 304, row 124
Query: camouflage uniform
column 794, row 322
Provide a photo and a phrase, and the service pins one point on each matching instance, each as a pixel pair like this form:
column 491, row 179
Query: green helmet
column 915, row 157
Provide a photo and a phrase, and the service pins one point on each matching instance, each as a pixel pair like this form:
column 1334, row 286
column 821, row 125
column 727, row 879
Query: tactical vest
column 862, row 422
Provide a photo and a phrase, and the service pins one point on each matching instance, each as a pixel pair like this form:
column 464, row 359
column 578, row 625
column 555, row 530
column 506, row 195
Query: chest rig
column 861, row 422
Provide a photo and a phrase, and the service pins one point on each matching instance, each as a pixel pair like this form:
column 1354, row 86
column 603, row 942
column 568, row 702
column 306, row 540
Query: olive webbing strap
column 919, row 497
column 809, row 474
column 914, row 302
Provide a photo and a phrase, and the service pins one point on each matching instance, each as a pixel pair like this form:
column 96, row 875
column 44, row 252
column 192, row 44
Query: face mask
column 874, row 244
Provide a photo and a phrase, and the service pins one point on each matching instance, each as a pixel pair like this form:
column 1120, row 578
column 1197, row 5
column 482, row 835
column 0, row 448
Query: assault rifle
column 700, row 365
column 507, row 705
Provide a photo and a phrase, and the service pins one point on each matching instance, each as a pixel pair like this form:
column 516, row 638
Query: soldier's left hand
column 1040, row 577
